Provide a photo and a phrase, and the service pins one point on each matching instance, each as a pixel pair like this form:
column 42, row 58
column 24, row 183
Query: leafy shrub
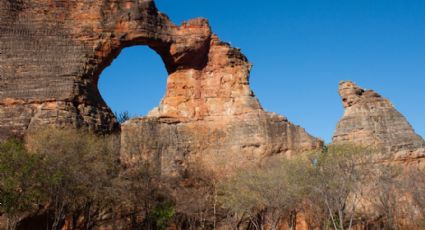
column 20, row 187
column 161, row 215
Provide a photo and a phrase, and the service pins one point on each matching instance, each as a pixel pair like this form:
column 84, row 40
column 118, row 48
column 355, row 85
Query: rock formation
column 51, row 57
column 52, row 53
column 370, row 119
column 211, row 115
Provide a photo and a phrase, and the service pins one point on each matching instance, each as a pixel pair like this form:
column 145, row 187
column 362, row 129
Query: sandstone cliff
column 211, row 115
column 370, row 119
column 52, row 53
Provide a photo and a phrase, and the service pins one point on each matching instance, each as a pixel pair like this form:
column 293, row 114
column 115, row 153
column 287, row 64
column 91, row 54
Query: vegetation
column 330, row 185
column 20, row 187
column 265, row 195
column 143, row 194
column 122, row 116
column 76, row 178
column 340, row 174
column 79, row 168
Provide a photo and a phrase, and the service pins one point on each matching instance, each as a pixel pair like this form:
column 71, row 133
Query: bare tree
column 122, row 116
column 268, row 195
column 415, row 188
column 386, row 194
column 340, row 173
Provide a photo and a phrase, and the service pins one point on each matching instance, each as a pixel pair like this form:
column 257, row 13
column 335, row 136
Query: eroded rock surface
column 52, row 53
column 370, row 119
column 223, row 144
column 211, row 116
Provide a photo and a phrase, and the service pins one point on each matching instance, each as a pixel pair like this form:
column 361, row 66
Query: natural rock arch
column 51, row 56
column 53, row 53
column 134, row 83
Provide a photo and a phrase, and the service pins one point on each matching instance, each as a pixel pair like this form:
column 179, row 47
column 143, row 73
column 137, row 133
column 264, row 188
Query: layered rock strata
column 211, row 116
column 52, row 53
column 371, row 120
column 222, row 144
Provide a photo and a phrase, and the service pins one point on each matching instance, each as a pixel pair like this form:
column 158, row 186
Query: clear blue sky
column 300, row 49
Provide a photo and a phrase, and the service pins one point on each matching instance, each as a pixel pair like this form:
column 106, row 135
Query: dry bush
column 267, row 195
column 341, row 172
column 145, row 197
column 80, row 168
column 327, row 187
column 414, row 185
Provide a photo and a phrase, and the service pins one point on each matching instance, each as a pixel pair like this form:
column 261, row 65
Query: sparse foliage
column 264, row 196
column 340, row 174
column 161, row 215
column 77, row 176
column 79, row 168
column 386, row 195
column 20, row 190
column 122, row 116
column 415, row 182
column 143, row 197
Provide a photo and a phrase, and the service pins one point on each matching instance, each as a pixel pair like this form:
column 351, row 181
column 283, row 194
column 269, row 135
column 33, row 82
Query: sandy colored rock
column 211, row 115
column 52, row 52
column 224, row 143
column 370, row 119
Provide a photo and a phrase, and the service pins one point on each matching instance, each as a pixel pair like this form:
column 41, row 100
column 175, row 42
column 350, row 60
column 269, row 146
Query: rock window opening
column 134, row 83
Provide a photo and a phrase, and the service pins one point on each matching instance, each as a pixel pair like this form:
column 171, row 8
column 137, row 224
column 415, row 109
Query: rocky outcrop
column 52, row 53
column 51, row 57
column 370, row 119
column 222, row 143
column 211, row 116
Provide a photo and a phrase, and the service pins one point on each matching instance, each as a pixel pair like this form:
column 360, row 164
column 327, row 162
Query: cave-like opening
column 135, row 82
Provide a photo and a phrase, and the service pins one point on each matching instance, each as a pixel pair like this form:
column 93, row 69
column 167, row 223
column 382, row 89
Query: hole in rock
column 135, row 82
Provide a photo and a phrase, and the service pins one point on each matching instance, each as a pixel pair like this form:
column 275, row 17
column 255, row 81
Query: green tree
column 20, row 190
column 162, row 215
column 79, row 169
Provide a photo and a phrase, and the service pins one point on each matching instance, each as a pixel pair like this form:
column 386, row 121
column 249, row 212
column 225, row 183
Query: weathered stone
column 51, row 57
column 370, row 119
column 52, row 53
column 228, row 142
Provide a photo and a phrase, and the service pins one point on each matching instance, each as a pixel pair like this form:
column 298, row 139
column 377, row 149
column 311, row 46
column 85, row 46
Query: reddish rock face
column 220, row 88
column 369, row 119
column 52, row 53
